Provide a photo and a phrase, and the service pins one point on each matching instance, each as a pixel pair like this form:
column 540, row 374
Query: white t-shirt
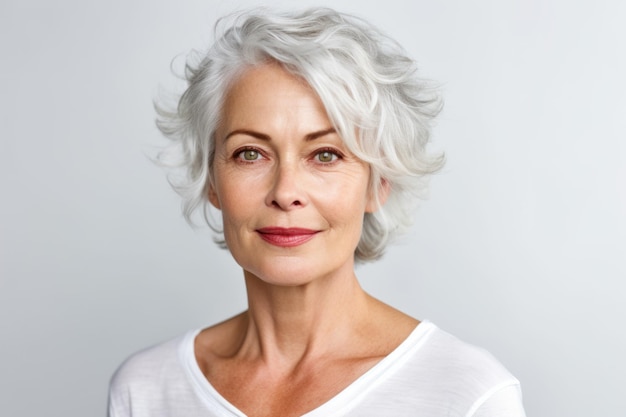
column 431, row 374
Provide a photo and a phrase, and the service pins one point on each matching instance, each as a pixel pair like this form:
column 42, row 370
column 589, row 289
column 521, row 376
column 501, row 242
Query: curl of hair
column 367, row 84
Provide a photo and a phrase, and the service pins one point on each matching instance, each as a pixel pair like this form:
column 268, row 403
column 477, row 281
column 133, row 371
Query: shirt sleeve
column 503, row 402
column 113, row 409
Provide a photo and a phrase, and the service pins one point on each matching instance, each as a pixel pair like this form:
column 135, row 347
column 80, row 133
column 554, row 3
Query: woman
column 308, row 133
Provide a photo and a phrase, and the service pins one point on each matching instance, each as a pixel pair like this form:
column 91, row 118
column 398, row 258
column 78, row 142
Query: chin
column 281, row 272
column 290, row 271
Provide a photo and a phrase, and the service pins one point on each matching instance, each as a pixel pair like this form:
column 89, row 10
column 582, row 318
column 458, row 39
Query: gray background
column 520, row 248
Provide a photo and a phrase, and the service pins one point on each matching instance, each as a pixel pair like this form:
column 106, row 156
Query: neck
column 289, row 323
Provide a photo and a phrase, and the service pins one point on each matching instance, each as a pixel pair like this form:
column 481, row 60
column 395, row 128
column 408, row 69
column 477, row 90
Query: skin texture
column 310, row 329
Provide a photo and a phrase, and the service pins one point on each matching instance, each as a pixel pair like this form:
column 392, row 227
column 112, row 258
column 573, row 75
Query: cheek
column 345, row 202
column 240, row 198
column 232, row 185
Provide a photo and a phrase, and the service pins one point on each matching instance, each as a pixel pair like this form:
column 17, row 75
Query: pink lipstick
column 286, row 236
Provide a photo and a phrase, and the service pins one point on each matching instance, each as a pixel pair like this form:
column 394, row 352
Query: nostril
column 293, row 203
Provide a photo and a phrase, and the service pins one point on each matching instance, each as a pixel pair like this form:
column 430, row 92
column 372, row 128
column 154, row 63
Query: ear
column 376, row 201
column 213, row 197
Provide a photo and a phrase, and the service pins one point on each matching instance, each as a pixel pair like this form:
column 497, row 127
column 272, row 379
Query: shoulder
column 443, row 371
column 148, row 363
column 462, row 361
column 462, row 358
column 145, row 375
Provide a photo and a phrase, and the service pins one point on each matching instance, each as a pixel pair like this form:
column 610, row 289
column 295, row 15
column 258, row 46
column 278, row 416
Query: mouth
column 286, row 236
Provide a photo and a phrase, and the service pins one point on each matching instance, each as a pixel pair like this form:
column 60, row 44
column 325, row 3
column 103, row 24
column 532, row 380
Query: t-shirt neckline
column 341, row 403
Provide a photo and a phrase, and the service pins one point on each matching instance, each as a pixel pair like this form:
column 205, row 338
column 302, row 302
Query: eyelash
column 238, row 155
column 334, row 152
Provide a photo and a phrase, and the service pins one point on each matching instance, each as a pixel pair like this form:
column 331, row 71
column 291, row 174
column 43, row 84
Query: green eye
column 250, row 155
column 326, row 156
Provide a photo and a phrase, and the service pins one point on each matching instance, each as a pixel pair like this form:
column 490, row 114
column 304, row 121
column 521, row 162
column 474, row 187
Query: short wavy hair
column 365, row 81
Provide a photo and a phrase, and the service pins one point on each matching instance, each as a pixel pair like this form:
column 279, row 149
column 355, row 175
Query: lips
column 286, row 237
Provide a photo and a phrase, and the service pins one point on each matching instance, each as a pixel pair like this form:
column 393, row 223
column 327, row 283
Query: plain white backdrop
column 521, row 247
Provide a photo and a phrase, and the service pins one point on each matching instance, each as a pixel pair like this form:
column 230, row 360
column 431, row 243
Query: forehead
column 269, row 91
column 268, row 76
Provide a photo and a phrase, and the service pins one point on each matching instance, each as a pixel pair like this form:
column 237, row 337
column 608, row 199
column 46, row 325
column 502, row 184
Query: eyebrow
column 263, row 136
column 319, row 134
column 247, row 132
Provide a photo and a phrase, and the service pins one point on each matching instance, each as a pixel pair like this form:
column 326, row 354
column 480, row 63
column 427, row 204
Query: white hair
column 364, row 79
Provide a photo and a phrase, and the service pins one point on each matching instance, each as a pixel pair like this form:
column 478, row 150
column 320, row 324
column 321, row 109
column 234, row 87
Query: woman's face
column 291, row 194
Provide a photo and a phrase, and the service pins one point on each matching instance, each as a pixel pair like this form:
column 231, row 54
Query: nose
column 287, row 191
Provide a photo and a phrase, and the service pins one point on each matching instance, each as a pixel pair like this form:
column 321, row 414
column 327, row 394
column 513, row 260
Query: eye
column 249, row 155
column 326, row 156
